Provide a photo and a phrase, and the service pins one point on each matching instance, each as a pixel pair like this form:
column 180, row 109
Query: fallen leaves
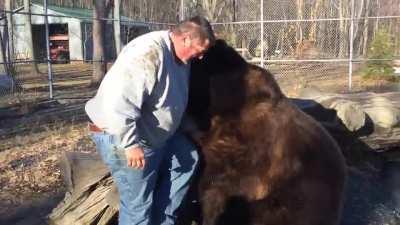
column 29, row 166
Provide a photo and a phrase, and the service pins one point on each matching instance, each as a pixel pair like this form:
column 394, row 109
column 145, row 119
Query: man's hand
column 135, row 157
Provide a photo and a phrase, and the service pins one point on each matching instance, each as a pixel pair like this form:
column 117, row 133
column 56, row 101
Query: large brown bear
column 265, row 161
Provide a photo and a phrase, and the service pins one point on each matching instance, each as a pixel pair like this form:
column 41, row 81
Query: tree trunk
column 213, row 8
column 397, row 38
column 100, row 12
column 376, row 27
column 8, row 47
column 28, row 36
column 2, row 51
column 117, row 27
column 300, row 16
column 2, row 29
column 314, row 15
column 365, row 32
column 343, row 30
column 357, row 39
column 9, row 40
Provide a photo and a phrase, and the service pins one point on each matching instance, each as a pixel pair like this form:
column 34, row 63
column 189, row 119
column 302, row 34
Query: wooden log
column 91, row 197
column 88, row 182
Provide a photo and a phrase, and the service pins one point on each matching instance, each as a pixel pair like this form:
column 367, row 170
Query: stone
column 350, row 113
column 383, row 112
column 385, row 117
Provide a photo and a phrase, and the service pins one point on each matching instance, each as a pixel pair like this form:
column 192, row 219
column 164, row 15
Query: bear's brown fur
column 265, row 161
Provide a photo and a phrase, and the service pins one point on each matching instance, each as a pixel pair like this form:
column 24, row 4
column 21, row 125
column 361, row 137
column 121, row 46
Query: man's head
column 192, row 38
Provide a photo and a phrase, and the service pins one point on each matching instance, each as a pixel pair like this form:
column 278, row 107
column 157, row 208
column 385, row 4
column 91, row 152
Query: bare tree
column 2, row 48
column 10, row 25
column 314, row 15
column 117, row 26
column 213, row 8
column 2, row 25
column 366, row 28
column 28, row 36
column 101, row 11
column 343, row 27
column 5, row 47
column 300, row 16
column 359, row 9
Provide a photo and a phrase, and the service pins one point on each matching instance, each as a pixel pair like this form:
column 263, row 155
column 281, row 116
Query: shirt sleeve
column 140, row 68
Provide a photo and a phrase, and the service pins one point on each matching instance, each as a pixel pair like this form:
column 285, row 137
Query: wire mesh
column 308, row 41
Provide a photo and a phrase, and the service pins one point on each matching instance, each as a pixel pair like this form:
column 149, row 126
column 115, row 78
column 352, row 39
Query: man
column 136, row 114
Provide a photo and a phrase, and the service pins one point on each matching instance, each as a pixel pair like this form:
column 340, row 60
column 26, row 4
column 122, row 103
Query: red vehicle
column 59, row 48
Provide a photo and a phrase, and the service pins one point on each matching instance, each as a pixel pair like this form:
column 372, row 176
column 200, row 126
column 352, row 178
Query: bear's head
column 222, row 83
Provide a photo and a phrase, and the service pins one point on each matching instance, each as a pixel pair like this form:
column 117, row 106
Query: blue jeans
column 152, row 195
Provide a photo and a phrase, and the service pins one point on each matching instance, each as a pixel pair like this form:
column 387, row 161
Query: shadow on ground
column 34, row 213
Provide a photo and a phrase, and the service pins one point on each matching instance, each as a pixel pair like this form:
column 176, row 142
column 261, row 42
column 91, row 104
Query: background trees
column 290, row 26
column 332, row 36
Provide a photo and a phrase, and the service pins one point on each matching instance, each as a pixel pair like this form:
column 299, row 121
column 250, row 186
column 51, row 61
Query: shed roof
column 85, row 14
column 72, row 12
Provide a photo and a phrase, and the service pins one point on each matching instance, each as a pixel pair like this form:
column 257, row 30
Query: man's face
column 194, row 48
column 198, row 48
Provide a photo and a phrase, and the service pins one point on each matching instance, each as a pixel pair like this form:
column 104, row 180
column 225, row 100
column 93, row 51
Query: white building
column 77, row 24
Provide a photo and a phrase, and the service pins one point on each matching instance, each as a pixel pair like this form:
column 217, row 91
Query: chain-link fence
column 303, row 42
column 313, row 42
column 67, row 67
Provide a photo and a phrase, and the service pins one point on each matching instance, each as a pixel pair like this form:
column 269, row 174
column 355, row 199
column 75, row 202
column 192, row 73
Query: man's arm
column 190, row 128
column 141, row 69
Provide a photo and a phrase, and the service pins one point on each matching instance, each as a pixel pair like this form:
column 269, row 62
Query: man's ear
column 187, row 41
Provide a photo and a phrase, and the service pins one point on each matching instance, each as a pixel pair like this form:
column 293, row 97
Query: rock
column 383, row 112
column 350, row 113
column 372, row 117
column 381, row 101
column 384, row 117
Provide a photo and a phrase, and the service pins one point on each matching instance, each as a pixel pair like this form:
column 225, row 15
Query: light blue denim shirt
column 143, row 97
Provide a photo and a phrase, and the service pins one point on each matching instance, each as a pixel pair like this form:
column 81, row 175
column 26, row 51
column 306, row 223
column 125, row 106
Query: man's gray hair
column 198, row 27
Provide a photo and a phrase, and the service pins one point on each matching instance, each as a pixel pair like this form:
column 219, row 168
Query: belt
column 94, row 128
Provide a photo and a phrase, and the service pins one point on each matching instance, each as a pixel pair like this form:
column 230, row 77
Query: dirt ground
column 34, row 133
column 30, row 178
column 33, row 138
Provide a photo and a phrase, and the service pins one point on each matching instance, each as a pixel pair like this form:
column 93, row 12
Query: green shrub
column 380, row 48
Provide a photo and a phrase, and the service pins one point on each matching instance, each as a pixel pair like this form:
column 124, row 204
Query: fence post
column 351, row 44
column 262, row 31
column 117, row 27
column 182, row 12
column 49, row 69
